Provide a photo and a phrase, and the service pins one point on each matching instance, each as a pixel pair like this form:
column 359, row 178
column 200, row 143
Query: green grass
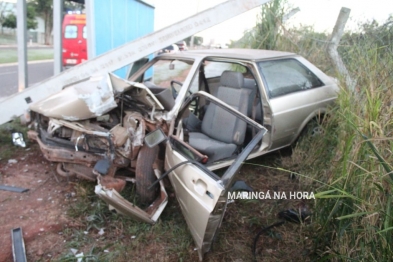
column 350, row 167
column 10, row 55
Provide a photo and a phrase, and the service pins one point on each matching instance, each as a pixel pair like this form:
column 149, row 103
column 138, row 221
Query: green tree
column 44, row 9
column 266, row 32
column 198, row 40
column 10, row 20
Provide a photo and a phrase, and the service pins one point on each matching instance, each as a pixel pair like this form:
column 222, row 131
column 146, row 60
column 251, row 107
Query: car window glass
column 71, row 31
column 286, row 76
column 84, row 32
column 163, row 72
column 215, row 69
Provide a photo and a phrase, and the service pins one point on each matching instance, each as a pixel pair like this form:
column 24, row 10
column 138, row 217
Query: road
column 37, row 71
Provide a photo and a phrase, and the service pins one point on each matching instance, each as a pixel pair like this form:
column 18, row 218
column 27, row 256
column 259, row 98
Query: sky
column 321, row 14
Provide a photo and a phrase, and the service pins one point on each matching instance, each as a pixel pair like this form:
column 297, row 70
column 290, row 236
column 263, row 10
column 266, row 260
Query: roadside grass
column 350, row 166
column 11, row 55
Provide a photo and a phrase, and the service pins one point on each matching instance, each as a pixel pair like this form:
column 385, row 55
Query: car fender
column 315, row 114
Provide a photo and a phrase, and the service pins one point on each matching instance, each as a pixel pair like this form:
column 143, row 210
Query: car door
column 202, row 194
column 298, row 91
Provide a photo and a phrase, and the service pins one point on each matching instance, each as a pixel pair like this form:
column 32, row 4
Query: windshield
column 163, row 71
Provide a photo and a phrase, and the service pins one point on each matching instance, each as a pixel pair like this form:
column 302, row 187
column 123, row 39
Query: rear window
column 287, row 76
column 84, row 32
column 71, row 31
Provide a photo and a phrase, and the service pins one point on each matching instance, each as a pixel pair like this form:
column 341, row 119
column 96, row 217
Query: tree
column 4, row 10
column 266, row 33
column 198, row 40
column 11, row 22
column 44, row 9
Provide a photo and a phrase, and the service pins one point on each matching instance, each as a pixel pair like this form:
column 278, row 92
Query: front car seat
column 221, row 132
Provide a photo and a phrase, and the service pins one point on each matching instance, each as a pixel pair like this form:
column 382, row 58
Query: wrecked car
column 192, row 116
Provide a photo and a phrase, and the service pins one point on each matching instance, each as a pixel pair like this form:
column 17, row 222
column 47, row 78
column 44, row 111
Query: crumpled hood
column 84, row 100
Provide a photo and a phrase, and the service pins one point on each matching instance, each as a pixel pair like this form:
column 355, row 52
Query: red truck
column 74, row 39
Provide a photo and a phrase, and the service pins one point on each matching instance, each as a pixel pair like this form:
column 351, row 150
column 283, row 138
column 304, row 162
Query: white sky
column 321, row 14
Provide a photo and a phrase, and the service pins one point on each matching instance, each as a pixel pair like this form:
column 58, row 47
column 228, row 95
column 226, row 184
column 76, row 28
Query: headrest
column 232, row 79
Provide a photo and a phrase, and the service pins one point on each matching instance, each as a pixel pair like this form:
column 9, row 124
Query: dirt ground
column 40, row 212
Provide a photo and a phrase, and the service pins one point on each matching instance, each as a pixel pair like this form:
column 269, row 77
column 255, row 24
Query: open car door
column 202, row 194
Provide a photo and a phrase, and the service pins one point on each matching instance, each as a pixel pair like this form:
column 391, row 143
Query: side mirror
column 154, row 138
column 18, row 140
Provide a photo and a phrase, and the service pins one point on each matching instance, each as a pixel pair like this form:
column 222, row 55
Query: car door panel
column 291, row 110
column 197, row 194
column 202, row 195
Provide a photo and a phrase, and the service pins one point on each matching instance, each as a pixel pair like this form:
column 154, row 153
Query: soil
column 39, row 212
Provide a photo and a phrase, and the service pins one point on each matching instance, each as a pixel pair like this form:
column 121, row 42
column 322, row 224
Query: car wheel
column 313, row 129
column 316, row 131
column 144, row 174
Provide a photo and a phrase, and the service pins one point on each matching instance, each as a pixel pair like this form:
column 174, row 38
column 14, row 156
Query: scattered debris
column 79, row 257
column 101, row 232
column 12, row 161
column 18, row 245
column 14, row 189
column 18, row 139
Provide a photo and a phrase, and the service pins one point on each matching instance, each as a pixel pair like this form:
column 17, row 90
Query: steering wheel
column 174, row 91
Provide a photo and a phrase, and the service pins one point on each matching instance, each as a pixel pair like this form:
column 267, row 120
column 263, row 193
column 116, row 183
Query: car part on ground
column 13, row 189
column 18, row 139
column 18, row 245
column 116, row 201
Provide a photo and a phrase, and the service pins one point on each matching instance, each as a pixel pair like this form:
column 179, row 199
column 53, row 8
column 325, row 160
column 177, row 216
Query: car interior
column 205, row 126
column 209, row 128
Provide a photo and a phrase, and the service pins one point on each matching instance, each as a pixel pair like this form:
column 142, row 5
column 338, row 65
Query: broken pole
column 21, row 15
column 57, row 33
column 334, row 56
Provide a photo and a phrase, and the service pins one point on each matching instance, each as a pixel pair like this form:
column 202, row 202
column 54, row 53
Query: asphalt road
column 37, row 71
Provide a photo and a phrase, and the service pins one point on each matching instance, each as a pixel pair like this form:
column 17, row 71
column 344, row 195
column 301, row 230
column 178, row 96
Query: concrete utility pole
column 57, row 31
column 21, row 15
column 337, row 33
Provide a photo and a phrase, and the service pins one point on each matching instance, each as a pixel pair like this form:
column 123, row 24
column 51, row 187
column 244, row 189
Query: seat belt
column 202, row 74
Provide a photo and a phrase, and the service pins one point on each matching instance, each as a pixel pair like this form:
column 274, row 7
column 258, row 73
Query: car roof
column 247, row 54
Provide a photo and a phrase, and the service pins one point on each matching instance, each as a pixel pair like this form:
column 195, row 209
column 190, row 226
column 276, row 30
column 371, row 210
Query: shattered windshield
column 163, row 71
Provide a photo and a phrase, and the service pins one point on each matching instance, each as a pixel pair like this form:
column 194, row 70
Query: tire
column 313, row 129
column 144, row 175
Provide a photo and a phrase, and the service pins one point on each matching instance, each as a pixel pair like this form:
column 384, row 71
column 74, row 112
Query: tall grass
column 353, row 160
